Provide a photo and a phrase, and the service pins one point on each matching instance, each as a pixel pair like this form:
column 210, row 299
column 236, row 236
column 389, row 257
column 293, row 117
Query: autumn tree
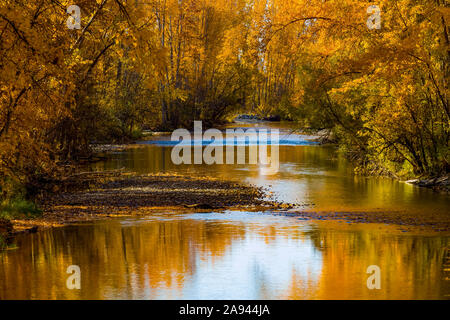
column 384, row 91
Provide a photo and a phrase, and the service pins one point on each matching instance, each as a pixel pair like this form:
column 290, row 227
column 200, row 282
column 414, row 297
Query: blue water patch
column 281, row 142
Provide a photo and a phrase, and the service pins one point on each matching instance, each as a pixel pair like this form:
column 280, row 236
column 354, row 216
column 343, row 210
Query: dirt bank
column 91, row 196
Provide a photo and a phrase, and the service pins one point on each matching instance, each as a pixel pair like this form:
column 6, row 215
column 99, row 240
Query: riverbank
column 440, row 184
column 91, row 196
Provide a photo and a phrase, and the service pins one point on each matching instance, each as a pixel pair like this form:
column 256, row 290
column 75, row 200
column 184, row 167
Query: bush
column 19, row 208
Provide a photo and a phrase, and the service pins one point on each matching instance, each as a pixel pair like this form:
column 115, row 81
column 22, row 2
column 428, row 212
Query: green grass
column 19, row 208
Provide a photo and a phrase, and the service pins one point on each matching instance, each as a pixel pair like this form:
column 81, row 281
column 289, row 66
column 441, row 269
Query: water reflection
column 223, row 256
column 241, row 255
column 315, row 176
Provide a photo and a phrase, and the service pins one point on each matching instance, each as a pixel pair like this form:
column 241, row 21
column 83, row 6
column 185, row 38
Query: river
column 243, row 255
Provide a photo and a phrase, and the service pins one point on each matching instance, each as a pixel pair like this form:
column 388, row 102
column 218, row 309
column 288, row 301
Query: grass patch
column 19, row 208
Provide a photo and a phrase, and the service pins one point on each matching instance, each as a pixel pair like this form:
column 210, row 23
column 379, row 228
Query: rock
column 413, row 181
column 326, row 136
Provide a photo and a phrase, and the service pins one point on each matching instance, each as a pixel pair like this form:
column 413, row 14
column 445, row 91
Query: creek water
column 243, row 255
